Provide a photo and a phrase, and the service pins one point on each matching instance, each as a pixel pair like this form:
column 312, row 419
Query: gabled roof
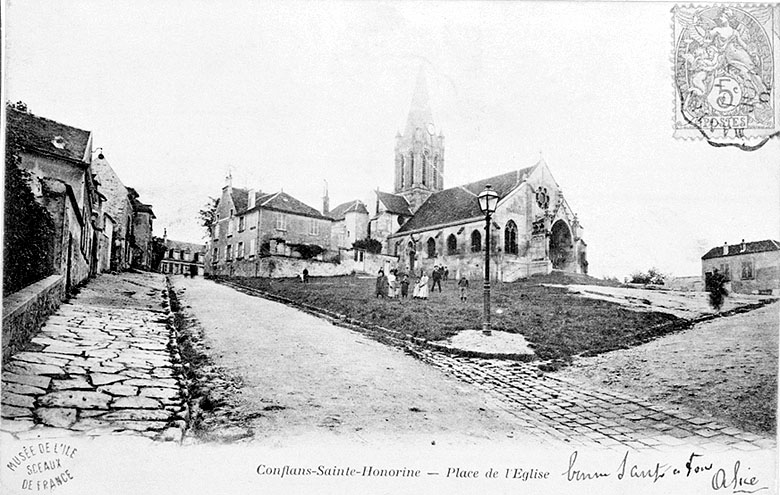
column 736, row 249
column 394, row 203
column 184, row 246
column 283, row 202
column 460, row 203
column 47, row 136
column 339, row 212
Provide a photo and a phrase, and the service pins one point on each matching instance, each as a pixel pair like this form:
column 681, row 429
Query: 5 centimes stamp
column 725, row 72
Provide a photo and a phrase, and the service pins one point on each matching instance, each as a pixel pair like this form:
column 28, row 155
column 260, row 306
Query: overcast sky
column 287, row 95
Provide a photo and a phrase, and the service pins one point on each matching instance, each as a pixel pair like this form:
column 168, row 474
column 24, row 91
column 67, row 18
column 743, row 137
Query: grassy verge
column 558, row 324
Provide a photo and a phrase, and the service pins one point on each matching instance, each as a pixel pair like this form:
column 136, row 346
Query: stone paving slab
column 89, row 370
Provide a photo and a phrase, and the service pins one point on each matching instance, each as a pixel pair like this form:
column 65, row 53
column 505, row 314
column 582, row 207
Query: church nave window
column 431, row 248
column 510, row 238
column 476, row 241
column 452, row 244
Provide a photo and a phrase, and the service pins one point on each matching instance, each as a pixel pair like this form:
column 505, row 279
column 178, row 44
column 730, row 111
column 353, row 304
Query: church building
column 534, row 229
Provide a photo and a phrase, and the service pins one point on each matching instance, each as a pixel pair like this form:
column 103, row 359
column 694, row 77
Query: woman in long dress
column 423, row 286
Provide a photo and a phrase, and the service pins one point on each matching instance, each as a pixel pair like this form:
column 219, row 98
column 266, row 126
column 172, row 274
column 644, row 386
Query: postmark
column 725, row 74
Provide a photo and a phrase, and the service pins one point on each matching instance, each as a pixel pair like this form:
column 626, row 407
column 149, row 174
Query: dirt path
column 725, row 368
column 304, row 376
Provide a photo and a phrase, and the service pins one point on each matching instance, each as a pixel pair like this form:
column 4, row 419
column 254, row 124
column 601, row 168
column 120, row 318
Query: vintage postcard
column 390, row 247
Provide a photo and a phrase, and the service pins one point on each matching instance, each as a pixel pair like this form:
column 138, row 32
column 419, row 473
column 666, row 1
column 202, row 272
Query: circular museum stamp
column 725, row 70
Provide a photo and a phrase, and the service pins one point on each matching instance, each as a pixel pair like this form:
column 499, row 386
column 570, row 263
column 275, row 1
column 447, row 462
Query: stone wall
column 25, row 311
column 278, row 266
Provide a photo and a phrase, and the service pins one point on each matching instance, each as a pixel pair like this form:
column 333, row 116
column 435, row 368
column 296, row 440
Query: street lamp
column 488, row 199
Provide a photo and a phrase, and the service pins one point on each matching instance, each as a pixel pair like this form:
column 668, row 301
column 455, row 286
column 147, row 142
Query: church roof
column 736, row 249
column 341, row 210
column 394, row 203
column 420, row 114
column 47, row 136
column 460, row 203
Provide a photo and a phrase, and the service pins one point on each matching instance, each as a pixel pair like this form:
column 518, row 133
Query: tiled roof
column 341, row 210
column 48, row 136
column 394, row 203
column 240, row 198
column 282, row 201
column 736, row 249
column 143, row 208
column 460, row 203
column 184, row 246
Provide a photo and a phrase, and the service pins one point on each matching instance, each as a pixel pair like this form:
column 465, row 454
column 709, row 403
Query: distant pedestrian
column 405, row 286
column 422, row 286
column 391, row 282
column 305, row 276
column 381, row 285
column 463, row 288
column 717, row 288
column 437, row 274
column 446, row 273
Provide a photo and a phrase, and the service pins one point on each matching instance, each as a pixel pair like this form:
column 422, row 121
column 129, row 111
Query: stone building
column 141, row 235
column 534, row 229
column 58, row 156
column 751, row 267
column 182, row 258
column 118, row 209
column 350, row 223
column 250, row 224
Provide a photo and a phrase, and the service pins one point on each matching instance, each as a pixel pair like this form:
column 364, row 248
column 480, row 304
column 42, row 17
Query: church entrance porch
column 561, row 246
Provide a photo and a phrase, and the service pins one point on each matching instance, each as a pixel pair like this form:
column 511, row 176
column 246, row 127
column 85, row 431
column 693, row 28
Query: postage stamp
column 725, row 72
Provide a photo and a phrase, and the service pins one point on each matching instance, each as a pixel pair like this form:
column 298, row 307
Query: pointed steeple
column 420, row 115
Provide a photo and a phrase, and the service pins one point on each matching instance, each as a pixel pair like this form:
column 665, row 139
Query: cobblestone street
column 100, row 365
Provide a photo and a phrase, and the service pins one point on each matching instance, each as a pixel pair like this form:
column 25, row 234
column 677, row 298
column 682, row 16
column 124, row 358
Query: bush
column 29, row 230
column 653, row 276
column 370, row 245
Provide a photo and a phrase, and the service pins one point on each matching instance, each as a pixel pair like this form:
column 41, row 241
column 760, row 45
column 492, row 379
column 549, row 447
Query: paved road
column 100, row 365
column 330, row 377
column 303, row 376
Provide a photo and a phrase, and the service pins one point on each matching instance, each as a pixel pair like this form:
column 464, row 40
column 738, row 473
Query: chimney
column 743, row 248
column 165, row 235
column 725, row 248
column 251, row 196
column 325, row 200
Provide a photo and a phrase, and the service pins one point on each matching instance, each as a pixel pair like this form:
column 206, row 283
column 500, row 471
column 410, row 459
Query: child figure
column 463, row 285
column 405, row 286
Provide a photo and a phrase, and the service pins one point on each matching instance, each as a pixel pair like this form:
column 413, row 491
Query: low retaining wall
column 25, row 311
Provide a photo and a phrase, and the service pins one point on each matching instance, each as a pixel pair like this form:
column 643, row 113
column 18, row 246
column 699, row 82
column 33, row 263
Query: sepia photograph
column 390, row 247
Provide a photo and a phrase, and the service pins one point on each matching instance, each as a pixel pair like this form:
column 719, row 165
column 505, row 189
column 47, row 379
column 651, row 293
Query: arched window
column 397, row 247
column 431, row 248
column 510, row 238
column 403, row 172
column 425, row 169
column 411, row 168
column 476, row 241
column 452, row 244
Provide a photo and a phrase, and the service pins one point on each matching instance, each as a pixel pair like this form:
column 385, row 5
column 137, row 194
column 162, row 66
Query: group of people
column 396, row 286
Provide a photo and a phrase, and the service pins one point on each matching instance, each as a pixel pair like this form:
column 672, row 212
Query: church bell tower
column 419, row 151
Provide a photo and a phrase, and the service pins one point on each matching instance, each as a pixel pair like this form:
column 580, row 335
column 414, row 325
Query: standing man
column 305, row 276
column 437, row 273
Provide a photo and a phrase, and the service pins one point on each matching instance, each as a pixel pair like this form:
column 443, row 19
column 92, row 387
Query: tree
column 653, row 276
column 208, row 214
column 716, row 286
column 370, row 245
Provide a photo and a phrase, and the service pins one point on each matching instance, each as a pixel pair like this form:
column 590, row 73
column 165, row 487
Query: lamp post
column 488, row 199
